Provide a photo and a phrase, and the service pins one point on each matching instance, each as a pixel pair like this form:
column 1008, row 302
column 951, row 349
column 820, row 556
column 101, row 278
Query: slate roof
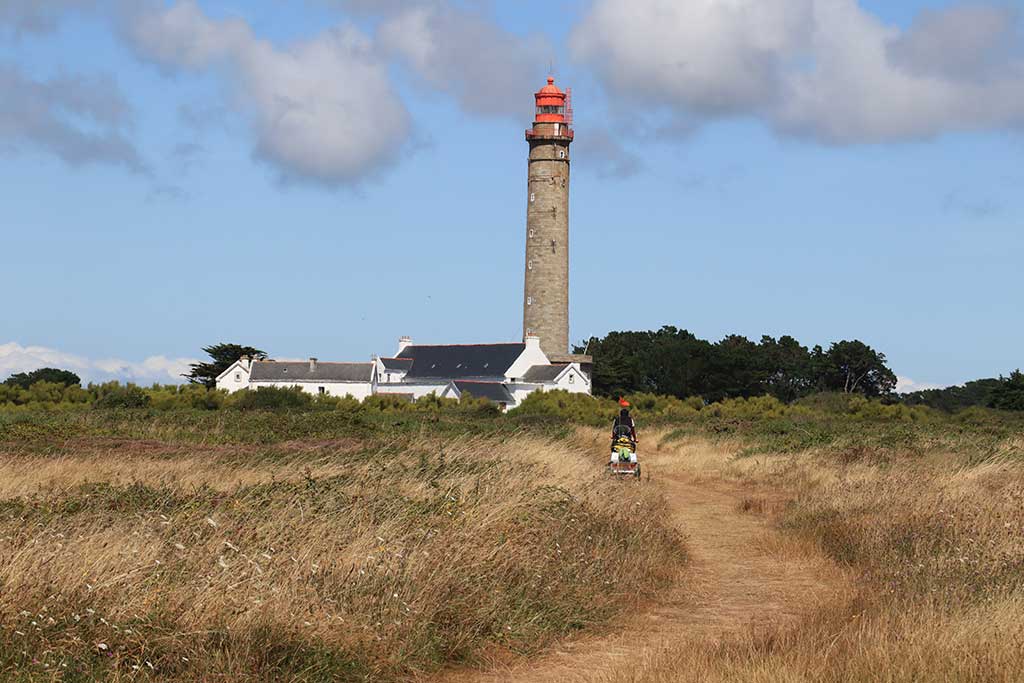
column 461, row 361
column 282, row 371
column 492, row 391
column 397, row 363
column 544, row 373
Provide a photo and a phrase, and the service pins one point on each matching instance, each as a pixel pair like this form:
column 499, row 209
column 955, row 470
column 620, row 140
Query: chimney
column 312, row 364
column 403, row 343
column 246, row 362
column 532, row 341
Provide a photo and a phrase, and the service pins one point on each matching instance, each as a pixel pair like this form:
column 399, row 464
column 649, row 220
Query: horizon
column 320, row 179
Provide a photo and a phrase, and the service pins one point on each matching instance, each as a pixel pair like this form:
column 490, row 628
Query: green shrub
column 272, row 398
column 129, row 396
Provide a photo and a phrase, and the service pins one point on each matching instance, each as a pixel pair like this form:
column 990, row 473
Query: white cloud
column 905, row 385
column 80, row 119
column 37, row 16
column 465, row 54
column 17, row 358
column 826, row 69
column 322, row 110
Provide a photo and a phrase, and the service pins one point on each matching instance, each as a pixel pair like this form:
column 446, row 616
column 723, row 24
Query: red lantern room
column 554, row 113
column 550, row 103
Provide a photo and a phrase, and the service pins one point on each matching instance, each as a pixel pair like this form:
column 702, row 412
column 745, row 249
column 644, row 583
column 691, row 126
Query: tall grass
column 934, row 537
column 310, row 560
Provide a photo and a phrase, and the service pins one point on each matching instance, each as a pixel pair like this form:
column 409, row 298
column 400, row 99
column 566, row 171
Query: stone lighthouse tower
column 546, row 296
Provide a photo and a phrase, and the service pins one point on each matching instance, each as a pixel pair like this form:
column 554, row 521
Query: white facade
column 571, row 379
column 417, row 390
column 357, row 390
column 520, row 375
column 236, row 377
column 531, row 356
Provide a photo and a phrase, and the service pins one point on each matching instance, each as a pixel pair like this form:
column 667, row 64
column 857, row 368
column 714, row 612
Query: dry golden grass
column 937, row 547
column 330, row 564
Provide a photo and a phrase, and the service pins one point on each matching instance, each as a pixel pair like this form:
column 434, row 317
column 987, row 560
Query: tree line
column 1004, row 393
column 675, row 362
column 668, row 362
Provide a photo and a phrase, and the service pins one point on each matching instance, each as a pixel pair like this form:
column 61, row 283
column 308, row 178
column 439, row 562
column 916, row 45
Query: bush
column 272, row 398
column 129, row 396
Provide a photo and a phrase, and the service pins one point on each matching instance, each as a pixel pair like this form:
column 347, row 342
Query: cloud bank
column 821, row 69
column 37, row 16
column 17, row 358
column 466, row 55
column 323, row 110
column 80, row 119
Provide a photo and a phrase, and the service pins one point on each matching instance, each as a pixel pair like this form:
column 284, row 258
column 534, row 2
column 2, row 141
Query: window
column 550, row 109
column 238, row 377
column 531, row 232
column 322, row 390
column 532, row 197
column 561, row 154
column 529, row 264
column 572, row 379
column 529, row 301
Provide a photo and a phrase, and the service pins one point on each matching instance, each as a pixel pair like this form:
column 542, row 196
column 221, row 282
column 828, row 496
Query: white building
column 314, row 377
column 504, row 373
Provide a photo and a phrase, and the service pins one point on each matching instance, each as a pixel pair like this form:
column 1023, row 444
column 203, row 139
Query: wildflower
column 209, row 520
column 179, row 546
column 102, row 646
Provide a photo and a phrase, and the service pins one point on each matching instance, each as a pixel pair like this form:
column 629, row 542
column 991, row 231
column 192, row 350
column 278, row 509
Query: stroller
column 623, row 457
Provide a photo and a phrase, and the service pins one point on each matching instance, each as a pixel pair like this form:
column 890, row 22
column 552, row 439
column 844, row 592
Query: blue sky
column 822, row 168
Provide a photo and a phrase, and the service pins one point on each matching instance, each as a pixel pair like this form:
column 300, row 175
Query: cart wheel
column 637, row 475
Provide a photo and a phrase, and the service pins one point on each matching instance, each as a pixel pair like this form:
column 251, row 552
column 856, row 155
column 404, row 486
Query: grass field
column 340, row 545
column 170, row 548
column 932, row 532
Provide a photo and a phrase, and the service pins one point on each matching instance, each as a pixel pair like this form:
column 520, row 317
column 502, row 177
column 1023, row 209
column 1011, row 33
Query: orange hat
column 623, row 402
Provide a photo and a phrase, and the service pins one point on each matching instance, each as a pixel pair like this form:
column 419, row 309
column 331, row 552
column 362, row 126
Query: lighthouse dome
column 550, row 103
column 550, row 88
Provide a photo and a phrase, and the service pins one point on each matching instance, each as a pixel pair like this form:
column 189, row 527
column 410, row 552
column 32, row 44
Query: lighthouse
column 546, row 291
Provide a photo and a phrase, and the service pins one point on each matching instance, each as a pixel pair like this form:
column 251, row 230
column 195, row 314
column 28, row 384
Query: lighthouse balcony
column 565, row 134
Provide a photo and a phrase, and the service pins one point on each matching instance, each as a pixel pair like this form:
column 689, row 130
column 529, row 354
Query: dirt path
column 743, row 575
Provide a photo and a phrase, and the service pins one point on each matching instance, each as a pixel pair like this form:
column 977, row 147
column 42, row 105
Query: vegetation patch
column 396, row 553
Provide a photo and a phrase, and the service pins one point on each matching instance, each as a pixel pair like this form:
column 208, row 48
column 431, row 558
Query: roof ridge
column 319, row 362
column 435, row 346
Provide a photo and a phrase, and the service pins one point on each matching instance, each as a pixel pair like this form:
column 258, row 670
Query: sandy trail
column 743, row 575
